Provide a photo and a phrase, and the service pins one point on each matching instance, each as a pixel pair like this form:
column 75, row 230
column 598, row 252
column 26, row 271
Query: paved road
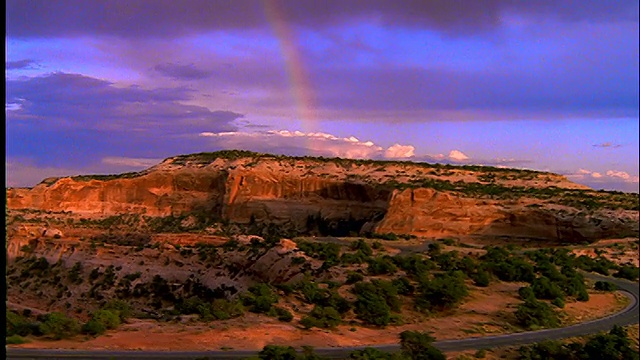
column 628, row 316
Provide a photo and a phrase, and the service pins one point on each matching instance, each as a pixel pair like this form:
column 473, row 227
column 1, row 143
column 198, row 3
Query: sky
column 115, row 86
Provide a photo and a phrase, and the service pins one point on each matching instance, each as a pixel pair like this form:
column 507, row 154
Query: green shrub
column 549, row 349
column 381, row 266
column 121, row 307
column 19, row 325
column 605, row 286
column 526, row 292
column 543, row 288
column 260, row 298
column 354, row 277
column 629, row 272
column 403, row 286
column 59, row 326
column 282, row 314
column 371, row 306
column 533, row 314
column 558, row 302
column 481, row 278
column 276, row 352
column 419, row 346
column 614, row 345
column 443, row 292
column 322, row 317
column 361, row 245
column 15, row 340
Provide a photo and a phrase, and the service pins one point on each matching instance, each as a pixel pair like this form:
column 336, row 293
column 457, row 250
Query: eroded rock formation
column 305, row 194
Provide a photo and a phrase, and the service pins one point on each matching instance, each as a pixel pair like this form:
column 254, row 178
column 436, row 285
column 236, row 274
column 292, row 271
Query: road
column 628, row 316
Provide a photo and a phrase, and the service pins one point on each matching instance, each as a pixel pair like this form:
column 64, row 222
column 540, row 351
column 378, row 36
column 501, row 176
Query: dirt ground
column 487, row 311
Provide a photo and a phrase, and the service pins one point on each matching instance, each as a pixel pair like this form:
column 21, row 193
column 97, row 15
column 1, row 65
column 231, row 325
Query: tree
column 260, row 298
column 59, row 326
column 322, row 317
column 443, row 292
column 543, row 288
column 275, row 352
column 605, row 286
column 533, row 313
column 101, row 321
column 615, row 345
column 418, row 346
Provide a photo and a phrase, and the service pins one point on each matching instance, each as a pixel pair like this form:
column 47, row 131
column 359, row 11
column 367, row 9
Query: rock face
column 317, row 194
column 431, row 213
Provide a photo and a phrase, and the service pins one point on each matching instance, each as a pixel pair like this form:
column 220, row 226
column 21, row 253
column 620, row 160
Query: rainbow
column 298, row 78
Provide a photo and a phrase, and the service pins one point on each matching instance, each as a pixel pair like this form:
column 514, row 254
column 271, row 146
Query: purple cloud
column 164, row 18
column 607, row 145
column 182, row 72
column 20, row 64
column 78, row 101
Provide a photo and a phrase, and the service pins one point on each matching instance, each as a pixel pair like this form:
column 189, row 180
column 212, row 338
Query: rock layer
column 307, row 194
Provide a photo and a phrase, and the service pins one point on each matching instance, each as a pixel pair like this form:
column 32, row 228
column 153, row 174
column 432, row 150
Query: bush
column 19, row 325
column 15, row 340
column 275, row 352
column 414, row 265
column 361, row 245
column 381, row 266
column 418, row 346
column 59, row 326
column 543, row 288
column 322, row 317
column 371, row 306
column 121, row 307
column 354, row 277
column 101, row 321
column 614, row 345
column 403, row 286
column 533, row 314
column 481, row 278
column 526, row 292
column 558, row 302
column 443, row 292
column 260, row 298
column 282, row 314
column 629, row 272
column 605, row 286
column 550, row 349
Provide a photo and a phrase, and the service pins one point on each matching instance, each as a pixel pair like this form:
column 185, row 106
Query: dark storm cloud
column 168, row 18
column 182, row 72
column 20, row 64
column 78, row 101
column 525, row 94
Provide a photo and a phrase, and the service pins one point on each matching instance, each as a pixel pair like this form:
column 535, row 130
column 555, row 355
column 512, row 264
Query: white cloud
column 400, row 151
column 457, row 155
column 297, row 143
column 596, row 175
column 618, row 174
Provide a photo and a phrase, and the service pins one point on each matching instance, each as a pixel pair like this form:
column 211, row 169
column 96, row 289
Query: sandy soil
column 487, row 311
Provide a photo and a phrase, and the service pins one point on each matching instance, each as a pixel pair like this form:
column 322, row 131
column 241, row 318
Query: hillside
column 246, row 192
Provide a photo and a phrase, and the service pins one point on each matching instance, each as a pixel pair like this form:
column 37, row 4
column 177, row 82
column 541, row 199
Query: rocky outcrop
column 431, row 213
column 307, row 195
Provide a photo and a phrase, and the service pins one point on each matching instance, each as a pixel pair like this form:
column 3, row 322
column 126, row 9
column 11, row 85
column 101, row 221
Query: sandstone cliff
column 315, row 194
